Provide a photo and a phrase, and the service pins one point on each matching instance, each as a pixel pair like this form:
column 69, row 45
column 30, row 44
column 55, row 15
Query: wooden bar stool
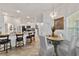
column 28, row 39
column 33, row 36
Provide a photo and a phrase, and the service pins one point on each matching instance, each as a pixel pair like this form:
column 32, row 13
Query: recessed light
column 27, row 17
column 18, row 11
column 42, row 24
column 5, row 13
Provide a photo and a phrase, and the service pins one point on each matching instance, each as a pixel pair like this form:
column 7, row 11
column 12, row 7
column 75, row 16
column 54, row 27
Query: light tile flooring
column 29, row 50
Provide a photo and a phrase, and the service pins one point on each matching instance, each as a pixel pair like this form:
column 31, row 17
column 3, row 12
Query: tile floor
column 27, row 50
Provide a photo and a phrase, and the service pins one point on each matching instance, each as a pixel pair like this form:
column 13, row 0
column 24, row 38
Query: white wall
column 11, row 21
column 45, row 29
column 2, row 24
column 72, row 25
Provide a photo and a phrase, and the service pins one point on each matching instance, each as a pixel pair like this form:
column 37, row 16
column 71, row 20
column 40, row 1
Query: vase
column 53, row 30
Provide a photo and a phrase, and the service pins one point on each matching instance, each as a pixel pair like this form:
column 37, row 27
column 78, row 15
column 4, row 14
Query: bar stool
column 28, row 39
column 33, row 34
column 19, row 40
column 4, row 41
column 33, row 37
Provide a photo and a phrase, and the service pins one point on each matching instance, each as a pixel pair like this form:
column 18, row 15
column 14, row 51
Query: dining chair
column 33, row 36
column 67, row 48
column 12, row 37
column 77, row 49
column 28, row 39
column 77, row 46
column 45, row 48
column 63, row 48
column 24, row 37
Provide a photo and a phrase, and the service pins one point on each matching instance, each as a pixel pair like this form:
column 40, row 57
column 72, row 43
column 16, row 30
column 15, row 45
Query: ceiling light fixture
column 53, row 13
column 18, row 11
column 42, row 24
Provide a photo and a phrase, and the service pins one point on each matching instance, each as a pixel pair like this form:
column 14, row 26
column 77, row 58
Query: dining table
column 55, row 41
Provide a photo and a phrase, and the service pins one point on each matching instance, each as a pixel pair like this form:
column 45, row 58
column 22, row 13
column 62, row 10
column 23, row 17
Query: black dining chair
column 4, row 40
column 19, row 40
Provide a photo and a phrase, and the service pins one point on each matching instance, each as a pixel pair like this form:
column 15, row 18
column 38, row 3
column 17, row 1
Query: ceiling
column 36, row 9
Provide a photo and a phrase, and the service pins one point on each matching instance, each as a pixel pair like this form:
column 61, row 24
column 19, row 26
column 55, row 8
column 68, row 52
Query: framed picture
column 59, row 23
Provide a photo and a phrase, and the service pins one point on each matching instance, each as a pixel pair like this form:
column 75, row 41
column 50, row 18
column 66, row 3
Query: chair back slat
column 19, row 35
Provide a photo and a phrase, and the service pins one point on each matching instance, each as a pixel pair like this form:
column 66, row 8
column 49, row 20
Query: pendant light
column 53, row 13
